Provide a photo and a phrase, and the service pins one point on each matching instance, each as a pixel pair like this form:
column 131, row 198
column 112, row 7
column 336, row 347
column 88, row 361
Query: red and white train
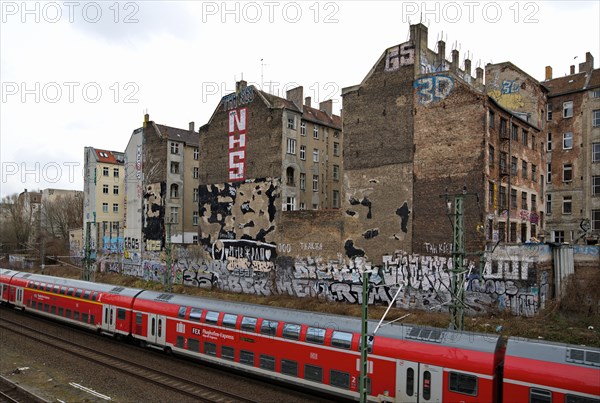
column 319, row 351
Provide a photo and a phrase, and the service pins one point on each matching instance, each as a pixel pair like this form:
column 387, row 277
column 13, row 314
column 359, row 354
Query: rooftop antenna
column 262, row 67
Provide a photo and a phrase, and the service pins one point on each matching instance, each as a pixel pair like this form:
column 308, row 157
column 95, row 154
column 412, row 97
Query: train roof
column 553, row 352
column 435, row 336
column 85, row 285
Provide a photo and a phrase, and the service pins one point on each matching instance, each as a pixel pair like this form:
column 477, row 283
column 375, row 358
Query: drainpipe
column 509, row 162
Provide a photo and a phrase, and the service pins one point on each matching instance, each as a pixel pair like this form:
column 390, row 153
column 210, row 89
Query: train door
column 418, row 383
column 156, row 329
column 19, row 297
column 109, row 316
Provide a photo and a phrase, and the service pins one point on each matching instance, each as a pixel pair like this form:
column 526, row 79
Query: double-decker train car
column 320, row 351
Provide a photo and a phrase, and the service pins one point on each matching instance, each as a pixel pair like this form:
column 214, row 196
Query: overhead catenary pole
column 87, row 258
column 363, row 332
column 168, row 273
column 458, row 256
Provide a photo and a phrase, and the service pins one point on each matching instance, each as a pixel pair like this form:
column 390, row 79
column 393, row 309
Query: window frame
column 567, row 109
column 568, row 141
column 454, row 384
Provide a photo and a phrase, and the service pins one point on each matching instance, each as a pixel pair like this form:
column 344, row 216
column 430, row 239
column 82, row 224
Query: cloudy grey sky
column 81, row 73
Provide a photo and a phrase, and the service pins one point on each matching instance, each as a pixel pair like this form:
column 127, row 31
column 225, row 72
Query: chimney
column 468, row 66
column 441, row 52
column 240, row 85
column 572, row 69
column 192, row 124
column 479, row 75
column 146, row 119
column 548, row 73
column 327, row 107
column 454, row 63
column 307, row 102
column 418, row 34
column 588, row 65
column 296, row 95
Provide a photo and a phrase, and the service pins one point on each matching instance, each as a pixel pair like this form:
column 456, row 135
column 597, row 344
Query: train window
column 212, row 317
column 210, row 348
column 339, row 379
column 180, row 341
column 227, row 353
column 181, row 313
column 78, row 293
column 539, row 396
column 315, row 335
column 36, row 285
column 46, row 308
column 63, row 290
column 138, row 318
column 269, row 327
column 410, row 382
column 56, row 289
column 289, row 367
column 68, row 315
column 291, row 331
column 195, row 314
column 369, row 344
column 313, row 373
column 341, row 339
column 121, row 314
column 53, row 310
column 246, row 357
column 229, row 320
column 249, row 324
column 426, row 385
column 267, row 362
column 95, row 296
column 42, row 286
column 463, row 383
column 92, row 320
column 48, row 287
column 85, row 318
column 61, row 311
column 75, row 315
column 86, row 295
column 580, row 399
column 70, row 292
column 194, row 345
column 152, row 328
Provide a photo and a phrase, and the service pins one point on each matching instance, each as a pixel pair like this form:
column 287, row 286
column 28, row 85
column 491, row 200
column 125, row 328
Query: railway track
column 198, row 391
column 10, row 392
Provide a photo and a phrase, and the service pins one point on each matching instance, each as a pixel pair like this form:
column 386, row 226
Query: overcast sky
column 79, row 73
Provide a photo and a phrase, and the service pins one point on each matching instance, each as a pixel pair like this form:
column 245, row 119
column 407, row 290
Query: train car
column 7, row 293
column 95, row 306
column 406, row 363
column 545, row 372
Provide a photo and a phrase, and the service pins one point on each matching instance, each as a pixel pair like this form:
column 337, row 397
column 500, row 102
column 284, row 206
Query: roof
column 109, row 157
column 173, row 133
column 573, row 83
column 553, row 352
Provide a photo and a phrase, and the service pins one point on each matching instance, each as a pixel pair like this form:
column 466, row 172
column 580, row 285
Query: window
column 315, row 335
column 596, row 118
column 291, row 146
column 303, row 128
column 533, row 142
column 121, row 314
column 227, row 353
column 335, row 199
column 515, row 133
column 290, row 204
column 229, row 320
column 549, row 142
column 502, row 197
column 116, row 172
column 315, row 183
column 548, row 204
column 115, row 207
column 195, row 239
column 105, row 207
column 105, row 189
column 174, row 190
column 289, row 367
column 174, row 148
column 313, row 373
column 196, row 172
column 524, row 169
column 567, row 172
column 105, row 171
column 549, row 172
column 175, row 214
column 525, row 137
column 596, row 94
column 196, row 153
column 249, row 324
column 533, row 202
column 339, row 379
column 491, row 159
column 303, row 153
column 336, row 149
column 595, row 152
column 341, row 339
column 491, row 193
column 336, row 172
column 513, row 199
column 269, row 327
column 289, row 175
column 558, row 236
column 195, row 217
column 549, row 112
column 595, row 220
column 503, row 123
column 246, row 357
column 115, row 189
column 212, row 317
column 196, row 194
column 463, row 383
column 291, row 123
column 410, row 381
column 302, row 181
column 534, row 172
column 194, row 345
column 195, row 314
column 580, row 399
column 567, row 109
column 491, row 117
column 513, row 165
column 524, row 205
column 315, row 155
column 596, row 185
column 210, row 348
column 316, row 132
column 426, row 385
column 540, row 396
column 267, row 362
column 567, row 204
column 302, row 206
column 291, row 331
column 174, row 167
column 503, row 158
column 567, row 141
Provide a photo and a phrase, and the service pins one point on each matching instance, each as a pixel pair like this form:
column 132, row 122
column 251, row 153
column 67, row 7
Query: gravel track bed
column 49, row 372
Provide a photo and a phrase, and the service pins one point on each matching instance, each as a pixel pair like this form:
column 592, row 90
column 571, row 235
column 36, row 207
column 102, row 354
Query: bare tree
column 20, row 215
column 61, row 214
